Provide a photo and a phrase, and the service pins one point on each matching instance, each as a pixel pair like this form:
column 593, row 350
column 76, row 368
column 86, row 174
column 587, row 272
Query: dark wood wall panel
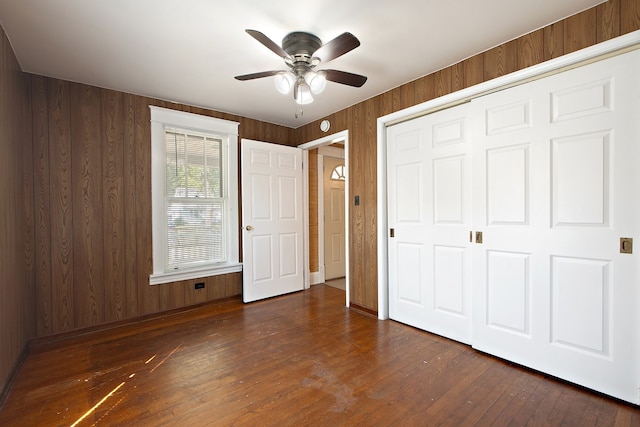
column 148, row 296
column 61, row 209
column 92, row 207
column 130, row 302
column 27, row 199
column 17, row 259
column 113, row 210
column 41, row 202
column 603, row 22
column 87, row 214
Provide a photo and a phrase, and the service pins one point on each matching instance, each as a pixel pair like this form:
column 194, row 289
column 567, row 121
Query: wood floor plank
column 299, row 359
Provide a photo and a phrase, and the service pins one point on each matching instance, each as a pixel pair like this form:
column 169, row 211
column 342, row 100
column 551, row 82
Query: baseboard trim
column 38, row 342
column 316, row 277
column 363, row 310
column 8, row 386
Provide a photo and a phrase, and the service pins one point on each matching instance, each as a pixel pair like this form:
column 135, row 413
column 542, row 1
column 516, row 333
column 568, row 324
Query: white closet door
column 555, row 188
column 429, row 211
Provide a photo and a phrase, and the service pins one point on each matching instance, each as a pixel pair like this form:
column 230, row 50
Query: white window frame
column 228, row 130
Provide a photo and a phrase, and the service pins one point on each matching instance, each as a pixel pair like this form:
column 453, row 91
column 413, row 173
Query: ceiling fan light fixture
column 317, row 81
column 303, row 94
column 284, row 82
column 302, row 52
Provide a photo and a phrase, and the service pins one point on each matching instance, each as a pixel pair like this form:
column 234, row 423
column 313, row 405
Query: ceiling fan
column 302, row 53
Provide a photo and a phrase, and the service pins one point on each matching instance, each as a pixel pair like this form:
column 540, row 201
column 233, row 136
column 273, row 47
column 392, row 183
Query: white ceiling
column 189, row 51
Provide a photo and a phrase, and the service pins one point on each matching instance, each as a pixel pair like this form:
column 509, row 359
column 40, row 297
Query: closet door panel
column 429, row 184
column 555, row 179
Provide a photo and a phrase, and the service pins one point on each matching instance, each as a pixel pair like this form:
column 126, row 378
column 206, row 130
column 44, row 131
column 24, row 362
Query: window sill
column 195, row 273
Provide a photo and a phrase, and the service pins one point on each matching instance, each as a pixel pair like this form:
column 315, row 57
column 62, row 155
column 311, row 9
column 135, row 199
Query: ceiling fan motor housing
column 301, row 45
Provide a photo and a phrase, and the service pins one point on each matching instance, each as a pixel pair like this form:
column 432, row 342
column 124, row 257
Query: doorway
column 316, row 224
column 333, row 194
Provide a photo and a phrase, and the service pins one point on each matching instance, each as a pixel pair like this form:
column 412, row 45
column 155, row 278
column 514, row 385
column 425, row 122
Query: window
column 338, row 173
column 194, row 162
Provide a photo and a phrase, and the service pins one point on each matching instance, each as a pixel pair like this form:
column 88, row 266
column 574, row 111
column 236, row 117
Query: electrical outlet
column 200, row 285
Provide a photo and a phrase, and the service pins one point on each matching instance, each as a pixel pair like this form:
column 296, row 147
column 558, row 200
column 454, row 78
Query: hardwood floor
column 301, row 359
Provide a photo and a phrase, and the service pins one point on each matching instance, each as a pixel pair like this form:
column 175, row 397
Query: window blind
column 195, row 202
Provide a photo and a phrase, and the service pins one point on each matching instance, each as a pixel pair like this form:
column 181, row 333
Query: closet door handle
column 626, row 245
column 479, row 237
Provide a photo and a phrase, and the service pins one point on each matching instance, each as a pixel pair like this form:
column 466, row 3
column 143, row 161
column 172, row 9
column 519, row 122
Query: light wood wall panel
column 608, row 21
column 603, row 22
column 530, row 49
column 17, row 268
column 580, row 31
column 553, row 44
column 473, row 71
column 92, row 207
column 314, row 263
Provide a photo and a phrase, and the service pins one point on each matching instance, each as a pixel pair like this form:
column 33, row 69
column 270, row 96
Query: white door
column 272, row 220
column 429, row 180
column 555, row 188
column 334, row 221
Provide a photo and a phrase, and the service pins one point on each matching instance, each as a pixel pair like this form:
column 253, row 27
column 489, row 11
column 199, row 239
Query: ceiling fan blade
column 268, row 43
column 345, row 78
column 342, row 44
column 257, row 75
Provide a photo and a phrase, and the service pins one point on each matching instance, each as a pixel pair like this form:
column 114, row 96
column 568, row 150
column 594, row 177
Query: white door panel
column 334, row 220
column 554, row 190
column 429, row 212
column 272, row 220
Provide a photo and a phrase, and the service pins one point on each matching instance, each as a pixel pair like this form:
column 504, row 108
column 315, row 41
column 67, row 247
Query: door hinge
column 392, row 232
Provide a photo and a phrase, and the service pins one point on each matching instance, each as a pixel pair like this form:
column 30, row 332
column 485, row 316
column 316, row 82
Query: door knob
column 248, row 228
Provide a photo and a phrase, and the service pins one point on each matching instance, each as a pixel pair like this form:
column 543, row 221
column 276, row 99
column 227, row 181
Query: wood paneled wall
column 595, row 25
column 17, row 302
column 92, row 207
column 314, row 264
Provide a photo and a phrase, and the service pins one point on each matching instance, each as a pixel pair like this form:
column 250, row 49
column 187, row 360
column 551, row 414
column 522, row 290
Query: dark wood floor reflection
column 301, row 359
